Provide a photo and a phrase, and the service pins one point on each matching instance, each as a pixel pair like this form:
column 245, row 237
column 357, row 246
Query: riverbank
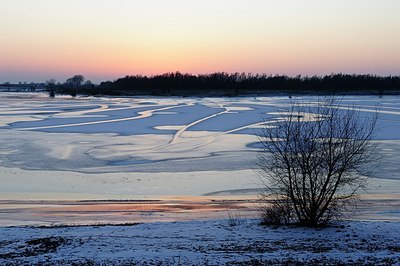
column 234, row 241
column 49, row 213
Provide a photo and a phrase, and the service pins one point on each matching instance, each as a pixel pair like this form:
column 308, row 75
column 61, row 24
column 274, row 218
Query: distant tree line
column 225, row 84
column 72, row 86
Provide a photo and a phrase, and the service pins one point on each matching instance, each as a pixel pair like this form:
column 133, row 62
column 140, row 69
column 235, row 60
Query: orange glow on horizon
column 45, row 38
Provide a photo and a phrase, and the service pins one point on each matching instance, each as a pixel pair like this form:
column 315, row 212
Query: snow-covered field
column 158, row 160
column 213, row 242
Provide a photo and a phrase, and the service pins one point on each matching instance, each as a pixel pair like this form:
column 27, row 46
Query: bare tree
column 75, row 81
column 50, row 87
column 88, row 84
column 313, row 160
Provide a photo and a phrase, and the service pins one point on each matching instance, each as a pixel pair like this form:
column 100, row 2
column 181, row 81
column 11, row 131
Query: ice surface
column 212, row 140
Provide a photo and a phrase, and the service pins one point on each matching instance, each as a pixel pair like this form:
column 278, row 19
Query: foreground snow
column 230, row 241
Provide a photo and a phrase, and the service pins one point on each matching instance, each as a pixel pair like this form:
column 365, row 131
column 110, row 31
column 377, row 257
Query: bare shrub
column 314, row 160
column 234, row 218
column 278, row 213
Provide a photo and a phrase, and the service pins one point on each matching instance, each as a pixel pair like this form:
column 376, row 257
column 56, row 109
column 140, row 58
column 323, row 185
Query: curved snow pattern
column 153, row 134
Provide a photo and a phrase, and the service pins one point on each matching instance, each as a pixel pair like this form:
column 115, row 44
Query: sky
column 107, row 39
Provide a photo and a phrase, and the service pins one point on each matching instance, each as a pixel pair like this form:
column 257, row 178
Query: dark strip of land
column 236, row 84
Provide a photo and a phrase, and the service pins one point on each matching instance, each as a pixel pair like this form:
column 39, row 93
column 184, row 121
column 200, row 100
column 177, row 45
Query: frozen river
column 128, row 147
column 191, row 153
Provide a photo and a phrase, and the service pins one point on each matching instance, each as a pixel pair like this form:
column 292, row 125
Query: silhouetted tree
column 51, row 87
column 76, row 81
column 74, row 84
column 312, row 160
column 88, row 84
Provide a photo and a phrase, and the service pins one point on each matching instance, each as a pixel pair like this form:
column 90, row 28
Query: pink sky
column 103, row 39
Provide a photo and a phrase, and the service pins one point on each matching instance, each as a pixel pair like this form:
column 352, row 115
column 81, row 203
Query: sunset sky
column 107, row 39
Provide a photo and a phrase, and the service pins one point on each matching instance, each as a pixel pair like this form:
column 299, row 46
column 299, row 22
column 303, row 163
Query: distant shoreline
column 219, row 84
column 288, row 93
column 217, row 94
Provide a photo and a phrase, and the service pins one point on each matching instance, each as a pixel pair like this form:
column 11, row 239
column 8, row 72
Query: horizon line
column 210, row 73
